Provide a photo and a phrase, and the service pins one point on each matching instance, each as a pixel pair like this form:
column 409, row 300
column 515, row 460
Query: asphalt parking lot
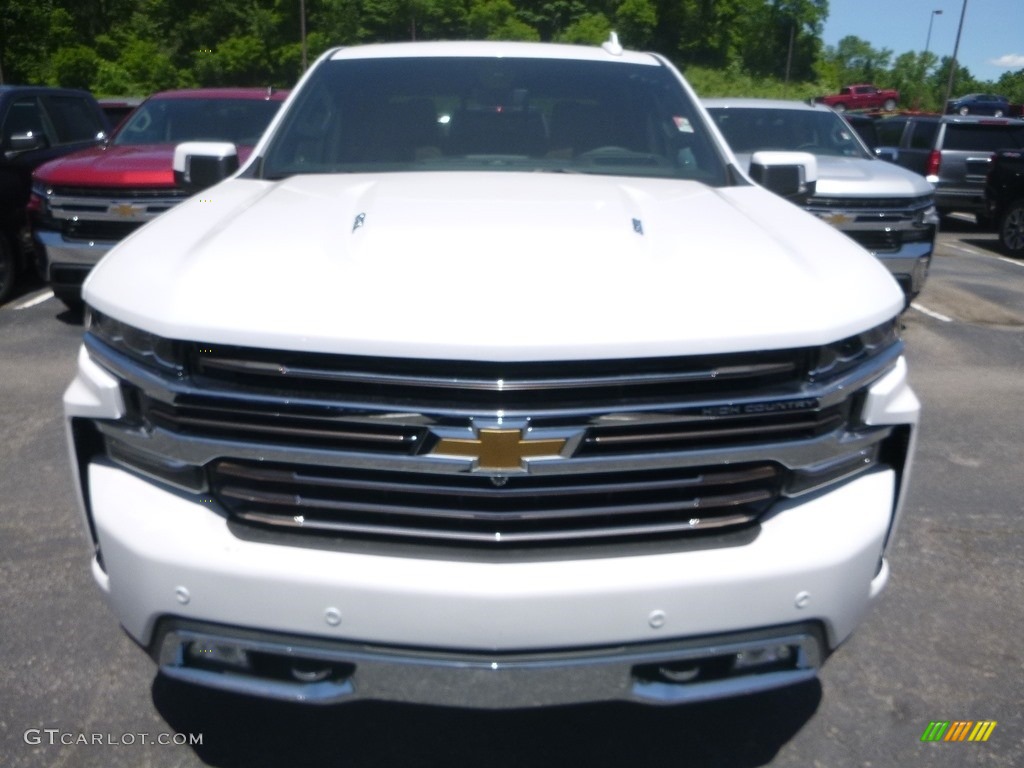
column 944, row 644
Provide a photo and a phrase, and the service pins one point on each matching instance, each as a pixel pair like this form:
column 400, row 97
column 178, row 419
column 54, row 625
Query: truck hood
column 139, row 165
column 499, row 266
column 858, row 177
column 863, row 177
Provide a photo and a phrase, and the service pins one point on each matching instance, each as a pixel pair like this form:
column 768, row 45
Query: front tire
column 8, row 268
column 1011, row 229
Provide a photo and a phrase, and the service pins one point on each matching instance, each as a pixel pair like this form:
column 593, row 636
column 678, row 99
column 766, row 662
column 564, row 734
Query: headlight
column 39, row 202
column 152, row 351
column 844, row 355
column 928, row 216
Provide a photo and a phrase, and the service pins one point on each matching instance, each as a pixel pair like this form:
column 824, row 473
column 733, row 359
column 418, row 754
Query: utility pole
column 928, row 40
column 302, row 32
column 789, row 57
column 952, row 64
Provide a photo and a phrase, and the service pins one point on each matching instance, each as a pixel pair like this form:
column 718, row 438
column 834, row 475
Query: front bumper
column 168, row 556
column 964, row 199
column 66, row 263
column 308, row 670
column 909, row 266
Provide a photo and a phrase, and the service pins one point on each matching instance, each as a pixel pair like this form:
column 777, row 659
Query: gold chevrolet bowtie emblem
column 126, row 210
column 498, row 449
column 838, row 219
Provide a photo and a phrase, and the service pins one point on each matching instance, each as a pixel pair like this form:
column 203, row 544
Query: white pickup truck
column 490, row 379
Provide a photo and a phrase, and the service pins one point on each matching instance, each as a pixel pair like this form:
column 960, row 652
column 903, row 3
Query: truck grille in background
column 881, row 203
column 882, row 225
column 107, row 214
column 470, row 508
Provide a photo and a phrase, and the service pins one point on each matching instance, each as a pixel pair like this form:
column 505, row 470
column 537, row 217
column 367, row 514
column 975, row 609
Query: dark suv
column 954, row 153
column 37, row 124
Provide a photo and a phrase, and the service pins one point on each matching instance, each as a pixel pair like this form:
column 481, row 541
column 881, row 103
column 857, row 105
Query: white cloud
column 1008, row 61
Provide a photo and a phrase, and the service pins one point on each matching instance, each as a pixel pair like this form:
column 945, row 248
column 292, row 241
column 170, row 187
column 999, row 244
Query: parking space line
column 47, row 294
column 976, row 252
column 931, row 313
column 966, row 249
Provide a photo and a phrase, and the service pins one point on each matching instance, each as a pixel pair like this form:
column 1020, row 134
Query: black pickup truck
column 1004, row 193
column 37, row 124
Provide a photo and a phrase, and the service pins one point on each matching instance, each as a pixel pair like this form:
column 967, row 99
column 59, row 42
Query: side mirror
column 24, row 142
column 792, row 175
column 201, row 164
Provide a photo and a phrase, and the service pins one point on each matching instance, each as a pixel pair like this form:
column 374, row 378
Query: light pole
column 952, row 64
column 302, row 33
column 931, row 19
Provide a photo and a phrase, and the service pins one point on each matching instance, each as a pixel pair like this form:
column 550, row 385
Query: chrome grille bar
column 606, row 532
column 471, row 508
column 209, row 364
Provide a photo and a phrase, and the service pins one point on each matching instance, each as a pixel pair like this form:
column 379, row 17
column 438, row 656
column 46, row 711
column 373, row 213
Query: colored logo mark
column 958, row 730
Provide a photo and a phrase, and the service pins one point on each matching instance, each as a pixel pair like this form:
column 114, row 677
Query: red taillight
column 35, row 204
column 934, row 159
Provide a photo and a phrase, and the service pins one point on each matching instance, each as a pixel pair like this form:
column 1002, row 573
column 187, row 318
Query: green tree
column 1011, row 85
column 854, row 60
column 497, row 20
column 75, row 66
column 589, row 29
column 636, row 21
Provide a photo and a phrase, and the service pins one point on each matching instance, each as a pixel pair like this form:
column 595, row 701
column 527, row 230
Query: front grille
column 394, row 450
column 140, row 194
column 522, row 509
column 881, row 203
column 107, row 214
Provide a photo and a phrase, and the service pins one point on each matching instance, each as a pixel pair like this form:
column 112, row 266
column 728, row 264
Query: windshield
column 170, row 121
column 751, row 129
column 460, row 113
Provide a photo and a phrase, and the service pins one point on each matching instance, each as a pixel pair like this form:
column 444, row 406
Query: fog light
column 760, row 657
column 216, row 653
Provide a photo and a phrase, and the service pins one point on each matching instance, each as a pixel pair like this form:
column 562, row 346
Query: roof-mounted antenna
column 612, row 45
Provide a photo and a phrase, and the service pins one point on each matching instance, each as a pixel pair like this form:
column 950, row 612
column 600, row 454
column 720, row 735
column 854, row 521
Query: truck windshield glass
column 170, row 121
column 817, row 132
column 491, row 114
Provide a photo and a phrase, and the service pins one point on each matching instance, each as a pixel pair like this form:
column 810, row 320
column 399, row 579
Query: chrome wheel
column 1011, row 231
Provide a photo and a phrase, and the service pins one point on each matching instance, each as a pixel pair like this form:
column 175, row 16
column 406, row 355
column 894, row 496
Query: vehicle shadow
column 990, row 244
column 70, row 316
column 243, row 731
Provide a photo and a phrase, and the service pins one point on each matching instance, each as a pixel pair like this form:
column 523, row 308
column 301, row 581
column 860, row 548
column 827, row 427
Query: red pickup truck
column 85, row 203
column 861, row 97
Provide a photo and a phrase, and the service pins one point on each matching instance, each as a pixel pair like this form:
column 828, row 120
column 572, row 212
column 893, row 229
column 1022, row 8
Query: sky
column 992, row 41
